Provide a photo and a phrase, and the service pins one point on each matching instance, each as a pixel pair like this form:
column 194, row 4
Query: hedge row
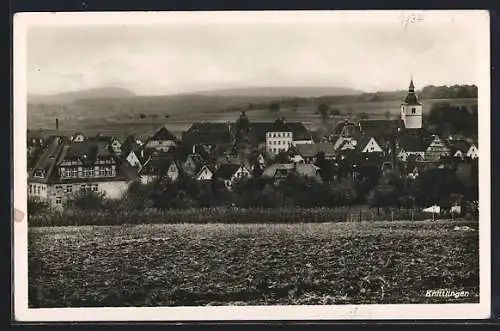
column 222, row 215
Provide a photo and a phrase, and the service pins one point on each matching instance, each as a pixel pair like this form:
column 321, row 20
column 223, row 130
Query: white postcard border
column 478, row 19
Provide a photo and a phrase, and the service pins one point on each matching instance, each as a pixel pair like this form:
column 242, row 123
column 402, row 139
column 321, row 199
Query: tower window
column 413, row 110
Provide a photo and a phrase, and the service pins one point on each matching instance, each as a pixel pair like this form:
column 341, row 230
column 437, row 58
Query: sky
column 176, row 56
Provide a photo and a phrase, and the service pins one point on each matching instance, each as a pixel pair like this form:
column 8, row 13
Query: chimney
column 57, row 124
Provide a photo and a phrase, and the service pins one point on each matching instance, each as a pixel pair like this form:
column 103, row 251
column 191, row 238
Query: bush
column 88, row 201
column 36, row 207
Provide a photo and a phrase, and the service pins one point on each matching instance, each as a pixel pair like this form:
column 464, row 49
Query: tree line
column 428, row 92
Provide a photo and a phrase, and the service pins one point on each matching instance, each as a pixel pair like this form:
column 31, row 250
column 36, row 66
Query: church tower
column 411, row 109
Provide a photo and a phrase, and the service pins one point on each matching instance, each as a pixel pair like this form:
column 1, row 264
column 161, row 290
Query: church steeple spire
column 411, row 89
column 411, row 98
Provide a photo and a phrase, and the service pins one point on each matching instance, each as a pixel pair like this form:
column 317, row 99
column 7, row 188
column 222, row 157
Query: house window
column 31, row 189
column 39, row 173
column 74, row 172
column 82, row 188
column 58, row 200
column 413, row 110
column 94, row 187
column 69, row 188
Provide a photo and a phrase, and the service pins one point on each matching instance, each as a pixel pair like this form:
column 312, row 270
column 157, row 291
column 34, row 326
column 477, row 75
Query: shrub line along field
column 252, row 264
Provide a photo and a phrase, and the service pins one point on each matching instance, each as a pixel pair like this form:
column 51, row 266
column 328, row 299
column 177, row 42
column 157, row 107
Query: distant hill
column 71, row 97
column 281, row 92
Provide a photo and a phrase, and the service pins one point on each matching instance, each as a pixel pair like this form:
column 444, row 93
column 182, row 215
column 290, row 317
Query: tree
column 325, row 167
column 142, row 116
column 387, row 114
column 382, row 196
column 274, row 108
column 323, row 111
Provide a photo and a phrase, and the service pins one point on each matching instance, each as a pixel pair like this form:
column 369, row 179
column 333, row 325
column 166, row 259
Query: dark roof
column 130, row 144
column 461, row 145
column 361, row 159
column 61, row 148
column 414, row 143
column 226, row 171
column 310, row 150
column 158, row 165
column 279, row 126
column 377, row 127
column 101, row 139
column 163, row 134
column 299, row 131
column 87, row 151
column 207, row 133
column 48, row 159
column 411, row 98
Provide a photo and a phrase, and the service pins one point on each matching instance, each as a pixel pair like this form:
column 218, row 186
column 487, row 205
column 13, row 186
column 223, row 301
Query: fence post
column 392, row 215
column 412, row 215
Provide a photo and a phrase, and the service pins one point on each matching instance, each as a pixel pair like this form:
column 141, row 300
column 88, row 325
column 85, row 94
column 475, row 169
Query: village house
column 160, row 166
column 198, row 168
column 462, row 149
column 308, row 153
column 110, row 143
column 272, row 137
column 229, row 173
column 208, row 135
column 280, row 171
column 78, row 137
column 412, row 145
column 162, row 140
column 66, row 168
column 368, row 144
column 129, row 145
column 436, row 150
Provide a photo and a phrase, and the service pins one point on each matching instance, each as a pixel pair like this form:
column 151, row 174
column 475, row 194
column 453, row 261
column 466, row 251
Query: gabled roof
column 363, row 140
column 311, row 150
column 163, row 134
column 130, row 144
column 226, row 171
column 158, row 165
column 48, row 159
column 462, row 145
column 271, row 170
